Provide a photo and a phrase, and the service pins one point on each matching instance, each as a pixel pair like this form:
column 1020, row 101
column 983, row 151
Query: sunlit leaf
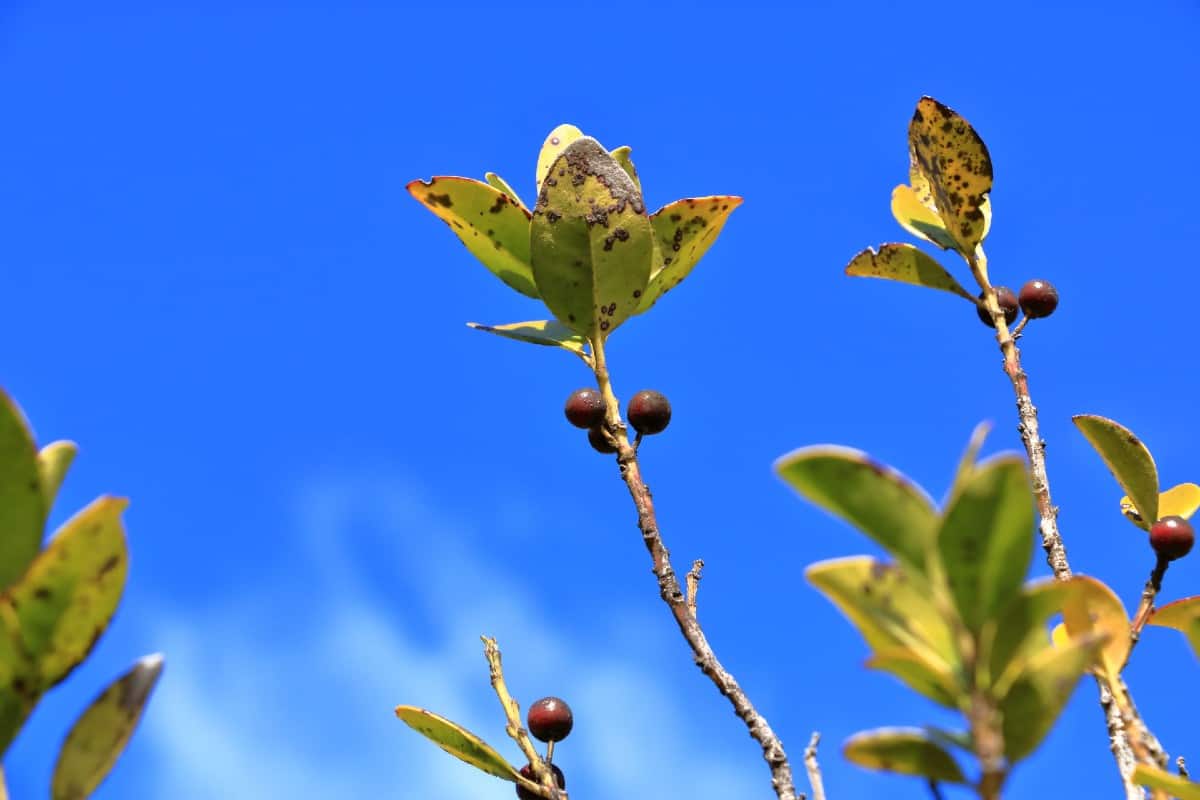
column 545, row 332
column 20, row 686
column 905, row 264
column 591, row 241
column 1020, row 632
column 931, row 679
column 622, row 155
column 891, row 608
column 985, row 537
column 876, row 499
column 1038, row 696
column 955, row 162
column 99, row 736
column 53, row 462
column 1175, row 785
column 1178, row 501
column 907, row 751
column 22, row 502
column 493, row 227
column 496, row 182
column 457, row 741
column 918, row 219
column 1092, row 607
column 1127, row 459
column 67, row 597
column 556, row 142
column 683, row 232
column 1182, row 615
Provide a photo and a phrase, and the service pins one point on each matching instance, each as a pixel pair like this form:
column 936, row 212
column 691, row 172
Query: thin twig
column 1146, row 604
column 693, row 585
column 1182, row 765
column 1129, row 747
column 673, row 595
column 512, row 714
column 935, row 789
column 814, row 769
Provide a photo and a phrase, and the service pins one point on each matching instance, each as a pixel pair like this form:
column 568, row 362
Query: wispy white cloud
column 288, row 691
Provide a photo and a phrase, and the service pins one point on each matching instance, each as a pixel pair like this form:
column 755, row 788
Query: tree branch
column 672, row 593
column 814, row 769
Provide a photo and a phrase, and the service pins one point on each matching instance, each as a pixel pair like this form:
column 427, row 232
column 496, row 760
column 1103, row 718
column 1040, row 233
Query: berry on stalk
column 550, row 719
column 1172, row 537
column 585, row 408
column 649, row 412
column 1038, row 299
column 527, row 772
column 1008, row 304
column 599, row 443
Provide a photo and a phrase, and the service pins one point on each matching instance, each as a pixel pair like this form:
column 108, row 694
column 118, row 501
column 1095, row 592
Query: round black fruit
column 585, row 408
column 599, row 443
column 1172, row 537
column 527, row 772
column 1038, row 299
column 550, row 719
column 649, row 412
column 1008, row 304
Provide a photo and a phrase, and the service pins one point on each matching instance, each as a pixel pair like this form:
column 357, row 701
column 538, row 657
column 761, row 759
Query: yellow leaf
column 1091, row 608
column 552, row 148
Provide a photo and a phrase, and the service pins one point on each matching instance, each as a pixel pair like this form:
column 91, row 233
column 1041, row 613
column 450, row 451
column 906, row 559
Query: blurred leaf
column 952, row 158
column 683, row 232
column 591, row 241
column 907, row 751
column 1176, row 785
column 493, row 227
column 3, row 785
column 985, row 537
column 905, row 264
column 53, row 462
column 1038, row 696
column 622, row 156
column 545, row 332
column 19, row 684
column 892, row 609
column 966, row 464
column 958, row 739
column 918, row 219
column 1181, row 615
column 1092, row 607
column 22, row 505
column 101, row 733
column 1127, row 459
column 1178, row 501
column 1020, row 632
column 556, row 142
column 496, row 182
column 876, row 499
column 457, row 741
column 928, row 678
column 68, row 595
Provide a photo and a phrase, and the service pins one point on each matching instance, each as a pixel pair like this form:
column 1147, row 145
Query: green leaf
column 905, row 264
column 22, row 503
column 985, row 537
column 1175, row 785
column 928, row 678
column 493, row 227
column 53, row 462
column 683, row 232
column 876, row 499
column 1038, row 696
column 891, row 608
column 1183, row 616
column 591, row 241
column 1178, row 501
column 966, row 464
column 954, row 161
column 906, row 751
column 556, row 142
column 100, row 734
column 622, row 156
column 544, row 332
column 496, row 182
column 1021, row 631
column 67, row 597
column 1127, row 459
column 457, row 741
column 19, row 684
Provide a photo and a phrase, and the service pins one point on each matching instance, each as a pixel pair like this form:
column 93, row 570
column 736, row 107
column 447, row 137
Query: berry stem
column 673, row 595
column 1146, row 604
column 1132, row 741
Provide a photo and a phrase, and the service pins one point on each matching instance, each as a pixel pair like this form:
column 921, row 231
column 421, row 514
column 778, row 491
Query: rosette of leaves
column 587, row 249
column 948, row 612
column 56, row 599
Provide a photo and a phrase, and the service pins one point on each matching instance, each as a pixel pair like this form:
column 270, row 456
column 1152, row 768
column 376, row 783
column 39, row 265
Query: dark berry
column 1008, row 304
column 585, row 408
column 1038, row 299
column 1172, row 537
column 550, row 719
column 527, row 772
column 599, row 442
column 649, row 412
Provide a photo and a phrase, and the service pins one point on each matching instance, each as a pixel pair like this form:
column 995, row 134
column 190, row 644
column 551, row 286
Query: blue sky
column 215, row 282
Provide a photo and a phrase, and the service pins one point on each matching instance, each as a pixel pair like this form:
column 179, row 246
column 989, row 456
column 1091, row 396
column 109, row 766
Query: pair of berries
column 649, row 413
column 1172, row 537
column 1037, row 299
column 549, row 720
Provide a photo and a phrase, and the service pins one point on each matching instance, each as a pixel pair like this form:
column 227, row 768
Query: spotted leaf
column 67, row 597
column 556, row 142
column 493, row 227
column 683, row 232
column 591, row 241
column 957, row 170
column 544, row 332
column 19, row 684
column 496, row 182
column 905, row 264
column 22, row 502
column 457, row 741
column 100, row 734
column 906, row 751
column 1127, row 459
